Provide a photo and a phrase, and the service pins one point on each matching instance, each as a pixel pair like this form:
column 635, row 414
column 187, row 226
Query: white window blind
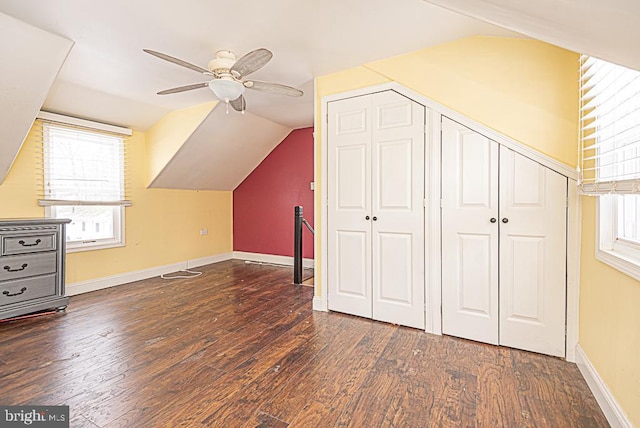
column 609, row 128
column 82, row 166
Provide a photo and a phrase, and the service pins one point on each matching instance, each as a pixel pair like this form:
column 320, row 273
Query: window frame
column 97, row 244
column 619, row 253
column 118, row 238
column 609, row 159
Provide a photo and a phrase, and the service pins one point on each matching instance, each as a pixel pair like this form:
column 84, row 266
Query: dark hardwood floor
column 240, row 346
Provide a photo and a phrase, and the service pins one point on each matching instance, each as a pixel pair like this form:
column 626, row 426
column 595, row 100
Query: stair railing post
column 297, row 245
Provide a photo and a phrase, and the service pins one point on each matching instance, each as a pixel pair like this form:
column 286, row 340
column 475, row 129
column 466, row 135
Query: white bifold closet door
column 375, row 208
column 503, row 245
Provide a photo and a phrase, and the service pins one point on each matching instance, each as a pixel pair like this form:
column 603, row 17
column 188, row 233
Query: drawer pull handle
column 21, row 242
column 22, row 290
column 8, row 268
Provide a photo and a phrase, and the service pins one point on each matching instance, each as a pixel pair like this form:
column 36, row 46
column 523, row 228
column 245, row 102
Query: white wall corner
column 610, row 407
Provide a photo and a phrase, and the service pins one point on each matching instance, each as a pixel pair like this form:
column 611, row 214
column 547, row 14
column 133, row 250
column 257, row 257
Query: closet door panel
column 349, row 194
column 398, row 209
column 533, row 255
column 469, row 237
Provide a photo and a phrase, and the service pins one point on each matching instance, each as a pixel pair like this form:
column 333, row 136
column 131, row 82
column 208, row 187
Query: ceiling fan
column 228, row 83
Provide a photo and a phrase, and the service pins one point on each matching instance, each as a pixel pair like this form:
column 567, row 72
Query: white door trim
column 432, row 258
column 574, row 241
column 433, row 275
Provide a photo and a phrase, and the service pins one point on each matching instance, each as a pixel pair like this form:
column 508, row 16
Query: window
column 610, row 158
column 84, row 180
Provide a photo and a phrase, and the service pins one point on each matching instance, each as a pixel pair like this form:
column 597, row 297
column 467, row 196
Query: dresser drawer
column 28, row 243
column 20, row 290
column 14, row 267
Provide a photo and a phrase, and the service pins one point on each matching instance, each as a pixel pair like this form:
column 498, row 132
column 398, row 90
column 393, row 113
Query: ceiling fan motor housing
column 223, row 61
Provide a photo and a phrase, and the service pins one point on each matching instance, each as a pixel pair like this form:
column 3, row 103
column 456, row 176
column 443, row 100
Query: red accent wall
column 263, row 203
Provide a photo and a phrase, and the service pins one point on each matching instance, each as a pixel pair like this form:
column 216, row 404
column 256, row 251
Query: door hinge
column 424, row 202
column 441, row 203
column 566, row 202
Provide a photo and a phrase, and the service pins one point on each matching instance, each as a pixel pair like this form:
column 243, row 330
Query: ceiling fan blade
column 177, row 61
column 252, row 61
column 184, row 88
column 239, row 104
column 274, row 88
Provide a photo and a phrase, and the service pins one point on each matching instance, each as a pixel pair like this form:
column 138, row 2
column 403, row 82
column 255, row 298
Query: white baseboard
column 76, row 288
column 318, row 304
column 209, row 260
column 610, row 407
column 270, row 258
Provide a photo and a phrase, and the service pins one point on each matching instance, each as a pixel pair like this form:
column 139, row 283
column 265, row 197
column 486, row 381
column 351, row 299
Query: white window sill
column 624, row 263
column 71, row 248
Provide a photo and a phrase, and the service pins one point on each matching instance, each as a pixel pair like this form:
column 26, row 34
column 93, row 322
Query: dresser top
column 32, row 221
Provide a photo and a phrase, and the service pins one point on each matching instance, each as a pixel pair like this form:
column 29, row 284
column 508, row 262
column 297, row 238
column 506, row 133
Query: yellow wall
column 166, row 136
column 19, row 191
column 610, row 320
column 519, row 87
column 162, row 226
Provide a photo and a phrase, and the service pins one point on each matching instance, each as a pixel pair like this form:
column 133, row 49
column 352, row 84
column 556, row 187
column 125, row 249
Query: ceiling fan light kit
column 226, row 89
column 227, row 83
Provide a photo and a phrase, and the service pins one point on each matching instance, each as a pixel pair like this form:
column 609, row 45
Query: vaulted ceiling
column 85, row 59
column 308, row 39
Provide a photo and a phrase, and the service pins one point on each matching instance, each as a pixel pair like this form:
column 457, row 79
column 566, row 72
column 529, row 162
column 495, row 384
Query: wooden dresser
column 32, row 257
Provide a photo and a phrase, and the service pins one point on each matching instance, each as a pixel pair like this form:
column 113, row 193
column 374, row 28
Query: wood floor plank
column 242, row 404
column 323, row 377
column 240, row 346
column 262, row 420
column 424, row 380
column 335, row 391
column 456, row 405
column 369, row 406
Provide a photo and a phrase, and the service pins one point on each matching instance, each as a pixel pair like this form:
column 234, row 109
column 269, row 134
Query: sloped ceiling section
column 605, row 29
column 31, row 61
column 165, row 138
column 221, row 152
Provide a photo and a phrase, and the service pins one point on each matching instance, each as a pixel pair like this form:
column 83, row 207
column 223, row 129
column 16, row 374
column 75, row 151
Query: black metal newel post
column 297, row 245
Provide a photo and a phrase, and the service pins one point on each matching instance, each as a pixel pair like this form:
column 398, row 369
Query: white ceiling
column 108, row 78
column 607, row 29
